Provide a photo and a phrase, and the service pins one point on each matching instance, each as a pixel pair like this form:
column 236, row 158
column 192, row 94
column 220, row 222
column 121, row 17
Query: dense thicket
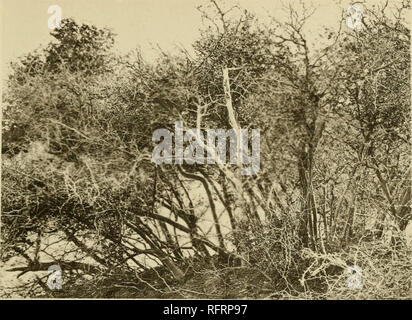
column 333, row 190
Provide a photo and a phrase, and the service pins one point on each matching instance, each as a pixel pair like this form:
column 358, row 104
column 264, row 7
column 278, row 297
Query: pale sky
column 137, row 23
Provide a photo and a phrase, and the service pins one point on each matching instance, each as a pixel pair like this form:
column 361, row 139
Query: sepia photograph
column 206, row 150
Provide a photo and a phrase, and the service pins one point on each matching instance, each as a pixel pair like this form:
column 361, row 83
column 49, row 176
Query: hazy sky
column 137, row 23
